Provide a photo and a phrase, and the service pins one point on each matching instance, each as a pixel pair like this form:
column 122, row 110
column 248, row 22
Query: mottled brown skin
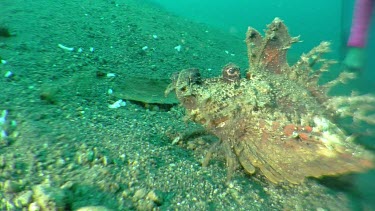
column 274, row 120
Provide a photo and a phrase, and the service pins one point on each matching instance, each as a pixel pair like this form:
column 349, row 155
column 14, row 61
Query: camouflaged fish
column 277, row 119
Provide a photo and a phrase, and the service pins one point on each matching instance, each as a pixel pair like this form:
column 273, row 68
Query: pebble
column 11, row 186
column 24, row 199
column 156, row 197
column 94, row 208
column 139, row 194
column 105, row 160
column 2, row 161
column 49, row 198
column 34, row 207
column 145, row 205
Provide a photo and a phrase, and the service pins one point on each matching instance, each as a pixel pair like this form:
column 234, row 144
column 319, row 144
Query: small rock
column 24, row 199
column 93, row 208
column 126, row 193
column 139, row 194
column 156, row 197
column 145, row 205
column 49, row 198
column 2, row 161
column 34, row 207
column 67, row 185
column 11, row 186
column 106, row 160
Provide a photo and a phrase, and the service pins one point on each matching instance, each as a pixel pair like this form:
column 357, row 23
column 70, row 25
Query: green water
column 315, row 21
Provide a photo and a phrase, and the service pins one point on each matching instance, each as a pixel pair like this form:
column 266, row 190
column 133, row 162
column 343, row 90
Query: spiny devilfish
column 277, row 119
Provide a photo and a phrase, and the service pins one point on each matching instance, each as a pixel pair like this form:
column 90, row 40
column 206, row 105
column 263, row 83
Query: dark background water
column 315, row 21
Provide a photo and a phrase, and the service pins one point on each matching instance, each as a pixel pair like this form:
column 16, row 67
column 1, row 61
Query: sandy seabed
column 68, row 150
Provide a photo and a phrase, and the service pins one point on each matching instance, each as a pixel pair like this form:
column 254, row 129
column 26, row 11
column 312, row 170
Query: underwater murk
column 277, row 118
